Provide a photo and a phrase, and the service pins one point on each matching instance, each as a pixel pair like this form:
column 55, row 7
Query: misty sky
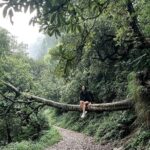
column 21, row 29
column 28, row 34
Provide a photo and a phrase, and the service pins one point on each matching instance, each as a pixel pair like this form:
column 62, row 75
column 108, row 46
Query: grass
column 101, row 126
column 107, row 127
column 49, row 138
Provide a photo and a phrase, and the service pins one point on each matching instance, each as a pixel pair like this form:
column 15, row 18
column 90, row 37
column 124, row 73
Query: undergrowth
column 140, row 141
column 49, row 138
column 103, row 126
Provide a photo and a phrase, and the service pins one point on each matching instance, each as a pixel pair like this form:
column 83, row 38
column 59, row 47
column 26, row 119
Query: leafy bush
column 103, row 126
column 49, row 138
column 138, row 94
column 141, row 140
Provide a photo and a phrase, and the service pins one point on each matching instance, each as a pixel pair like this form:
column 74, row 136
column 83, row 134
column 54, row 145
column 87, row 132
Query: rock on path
column 77, row 141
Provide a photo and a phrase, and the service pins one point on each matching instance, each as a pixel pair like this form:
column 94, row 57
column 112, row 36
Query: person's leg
column 84, row 106
column 81, row 105
column 89, row 104
column 84, row 109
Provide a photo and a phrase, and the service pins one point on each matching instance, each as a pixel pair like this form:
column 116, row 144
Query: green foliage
column 133, row 87
column 4, row 42
column 104, row 126
column 14, row 69
column 20, row 119
column 141, row 101
column 47, row 139
column 58, row 16
column 140, row 140
column 143, row 11
column 103, row 42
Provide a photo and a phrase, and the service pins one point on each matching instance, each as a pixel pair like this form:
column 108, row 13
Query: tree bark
column 8, row 131
column 114, row 106
column 134, row 21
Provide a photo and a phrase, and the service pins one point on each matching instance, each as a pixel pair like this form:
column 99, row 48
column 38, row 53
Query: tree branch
column 115, row 106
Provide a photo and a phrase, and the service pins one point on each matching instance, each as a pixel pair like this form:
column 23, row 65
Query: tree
column 4, row 40
column 102, row 42
column 19, row 119
column 65, row 15
column 123, row 105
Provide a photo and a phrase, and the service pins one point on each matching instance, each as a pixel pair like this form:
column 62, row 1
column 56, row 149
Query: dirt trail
column 77, row 141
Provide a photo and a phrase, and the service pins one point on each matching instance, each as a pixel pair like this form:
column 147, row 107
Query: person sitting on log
column 86, row 97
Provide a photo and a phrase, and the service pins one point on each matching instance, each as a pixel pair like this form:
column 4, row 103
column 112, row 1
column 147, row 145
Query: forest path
column 77, row 141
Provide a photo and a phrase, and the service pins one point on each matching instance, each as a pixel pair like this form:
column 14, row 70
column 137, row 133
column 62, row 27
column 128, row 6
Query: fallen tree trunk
column 114, row 106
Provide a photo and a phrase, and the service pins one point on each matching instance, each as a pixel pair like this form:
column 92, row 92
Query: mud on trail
column 77, row 141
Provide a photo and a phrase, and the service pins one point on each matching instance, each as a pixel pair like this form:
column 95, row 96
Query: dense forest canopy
column 103, row 44
column 122, row 25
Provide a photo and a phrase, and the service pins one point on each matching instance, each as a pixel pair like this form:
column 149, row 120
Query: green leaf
column 95, row 7
column 26, row 8
column 16, row 8
column 79, row 28
column 1, row 5
column 50, row 32
column 41, row 29
column 11, row 15
column 53, row 17
column 57, row 33
column 5, row 11
column 31, row 8
column 31, row 21
column 58, row 21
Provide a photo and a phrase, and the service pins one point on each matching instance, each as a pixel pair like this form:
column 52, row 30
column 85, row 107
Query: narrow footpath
column 77, row 141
